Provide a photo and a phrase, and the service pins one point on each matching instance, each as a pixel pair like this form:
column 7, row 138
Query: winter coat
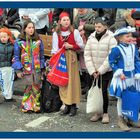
column 12, row 15
column 96, row 52
column 89, row 22
column 6, row 54
column 38, row 15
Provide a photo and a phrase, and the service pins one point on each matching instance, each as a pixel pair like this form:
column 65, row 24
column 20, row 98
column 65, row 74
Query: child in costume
column 28, row 64
column 6, row 56
column 124, row 62
column 65, row 35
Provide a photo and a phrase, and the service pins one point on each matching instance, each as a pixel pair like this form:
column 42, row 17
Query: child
column 123, row 60
column 6, row 71
column 28, row 64
column 96, row 58
column 71, row 39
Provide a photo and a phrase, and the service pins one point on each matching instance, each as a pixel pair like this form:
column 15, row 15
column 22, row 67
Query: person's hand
column 80, row 28
column 20, row 75
column 122, row 76
column 96, row 74
column 67, row 45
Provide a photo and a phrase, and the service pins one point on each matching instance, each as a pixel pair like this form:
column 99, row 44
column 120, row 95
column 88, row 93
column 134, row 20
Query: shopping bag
column 131, row 104
column 54, row 59
column 94, row 99
column 59, row 73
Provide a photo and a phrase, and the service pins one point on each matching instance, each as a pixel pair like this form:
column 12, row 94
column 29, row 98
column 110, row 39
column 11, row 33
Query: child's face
column 4, row 37
column 65, row 22
column 126, row 38
column 99, row 28
column 30, row 29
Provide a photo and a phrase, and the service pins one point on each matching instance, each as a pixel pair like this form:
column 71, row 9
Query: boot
column 73, row 110
column 66, row 110
column 122, row 124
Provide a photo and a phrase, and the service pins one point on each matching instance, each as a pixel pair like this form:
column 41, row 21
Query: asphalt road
column 13, row 120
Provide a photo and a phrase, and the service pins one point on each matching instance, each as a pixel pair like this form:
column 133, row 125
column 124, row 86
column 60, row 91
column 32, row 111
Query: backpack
column 50, row 99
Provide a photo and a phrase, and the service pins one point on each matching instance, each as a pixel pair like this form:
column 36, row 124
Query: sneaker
column 105, row 118
column 96, row 117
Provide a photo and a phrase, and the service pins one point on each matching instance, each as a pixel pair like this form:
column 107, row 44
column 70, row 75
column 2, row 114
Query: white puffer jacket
column 96, row 52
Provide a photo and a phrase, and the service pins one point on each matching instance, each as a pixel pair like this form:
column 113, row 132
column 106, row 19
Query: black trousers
column 105, row 79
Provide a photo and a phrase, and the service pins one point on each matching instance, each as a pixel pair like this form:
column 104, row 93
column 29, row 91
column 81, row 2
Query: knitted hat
column 101, row 20
column 63, row 14
column 124, row 30
column 6, row 30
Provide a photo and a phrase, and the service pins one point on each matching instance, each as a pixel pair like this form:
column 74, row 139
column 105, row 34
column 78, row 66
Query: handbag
column 131, row 103
column 94, row 99
column 59, row 73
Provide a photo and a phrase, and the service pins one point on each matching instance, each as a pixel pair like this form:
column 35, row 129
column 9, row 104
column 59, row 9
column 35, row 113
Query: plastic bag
column 131, row 104
column 59, row 73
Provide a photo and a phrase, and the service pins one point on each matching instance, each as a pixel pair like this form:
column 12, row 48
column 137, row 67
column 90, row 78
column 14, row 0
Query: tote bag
column 94, row 99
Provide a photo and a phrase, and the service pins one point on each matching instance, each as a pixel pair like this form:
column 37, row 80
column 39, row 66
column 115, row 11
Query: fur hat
column 124, row 30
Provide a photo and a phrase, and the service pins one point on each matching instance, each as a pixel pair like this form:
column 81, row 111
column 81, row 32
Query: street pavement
column 13, row 120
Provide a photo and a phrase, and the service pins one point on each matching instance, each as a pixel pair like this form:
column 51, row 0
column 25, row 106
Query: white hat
column 124, row 30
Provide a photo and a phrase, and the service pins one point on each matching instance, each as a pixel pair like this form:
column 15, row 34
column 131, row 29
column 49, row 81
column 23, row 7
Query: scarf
column 98, row 36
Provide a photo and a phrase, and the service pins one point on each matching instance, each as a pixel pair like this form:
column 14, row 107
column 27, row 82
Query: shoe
column 66, row 110
column 73, row 110
column 134, row 124
column 105, row 118
column 96, row 117
column 9, row 100
column 122, row 124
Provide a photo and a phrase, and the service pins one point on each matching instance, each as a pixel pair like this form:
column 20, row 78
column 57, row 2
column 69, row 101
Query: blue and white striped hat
column 124, row 30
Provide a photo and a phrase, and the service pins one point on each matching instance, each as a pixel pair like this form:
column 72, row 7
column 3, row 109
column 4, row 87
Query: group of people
column 105, row 56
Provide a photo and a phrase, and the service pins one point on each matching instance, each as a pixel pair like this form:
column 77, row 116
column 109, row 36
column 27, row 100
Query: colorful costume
column 29, row 58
